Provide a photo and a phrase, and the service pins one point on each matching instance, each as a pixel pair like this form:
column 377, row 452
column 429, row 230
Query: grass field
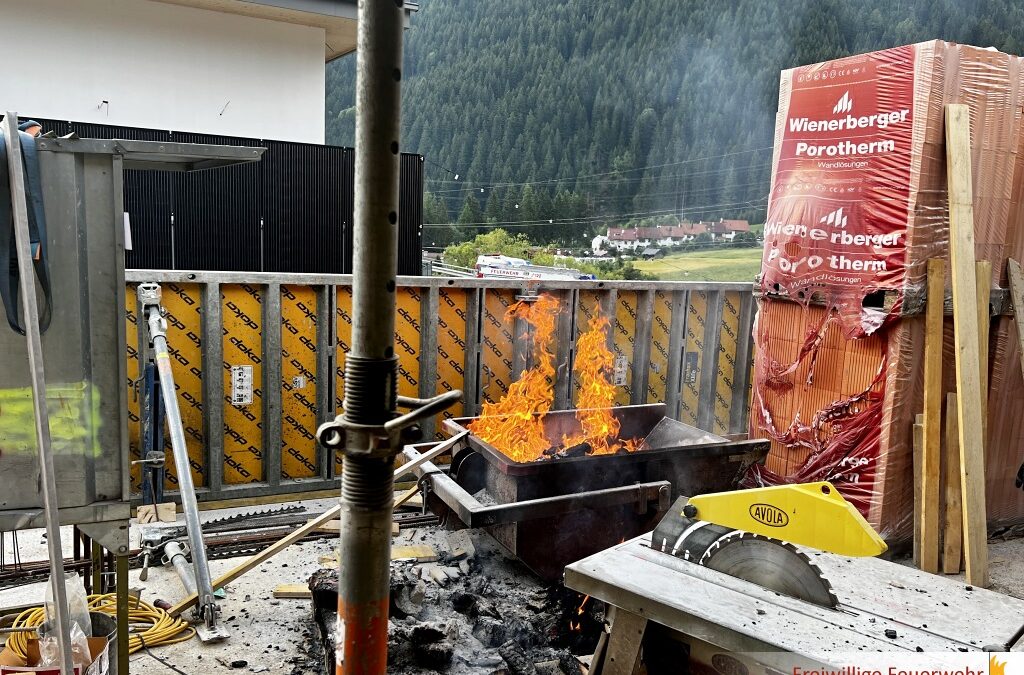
column 733, row 264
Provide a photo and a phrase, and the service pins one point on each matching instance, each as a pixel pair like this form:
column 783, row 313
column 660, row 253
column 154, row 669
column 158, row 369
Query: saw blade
column 772, row 564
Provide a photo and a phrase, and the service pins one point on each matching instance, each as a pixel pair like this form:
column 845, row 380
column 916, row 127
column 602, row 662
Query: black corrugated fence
column 290, row 212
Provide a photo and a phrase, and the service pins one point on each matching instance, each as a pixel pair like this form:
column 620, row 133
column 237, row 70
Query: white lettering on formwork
column 880, row 120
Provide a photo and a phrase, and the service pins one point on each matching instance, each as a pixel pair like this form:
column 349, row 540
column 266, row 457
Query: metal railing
column 686, row 344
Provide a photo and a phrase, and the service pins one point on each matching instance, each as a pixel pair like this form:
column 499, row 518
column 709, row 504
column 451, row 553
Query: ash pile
column 460, row 604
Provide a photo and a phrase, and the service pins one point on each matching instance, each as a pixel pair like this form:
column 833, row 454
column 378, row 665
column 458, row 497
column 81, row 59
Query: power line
column 545, row 181
column 621, row 181
column 761, row 201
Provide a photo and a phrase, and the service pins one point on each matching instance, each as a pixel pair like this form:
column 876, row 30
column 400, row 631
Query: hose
column 153, row 626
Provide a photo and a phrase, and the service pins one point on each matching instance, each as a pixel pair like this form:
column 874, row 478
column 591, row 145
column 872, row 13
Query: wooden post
column 624, row 644
column 1017, row 295
column 918, row 483
column 983, row 273
column 965, row 329
column 932, row 422
column 953, row 527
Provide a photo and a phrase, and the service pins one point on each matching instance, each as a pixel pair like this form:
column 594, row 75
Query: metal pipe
column 206, row 607
column 175, row 555
column 19, row 210
column 371, row 367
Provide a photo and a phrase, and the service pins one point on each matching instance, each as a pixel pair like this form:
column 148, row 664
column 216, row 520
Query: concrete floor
column 274, row 636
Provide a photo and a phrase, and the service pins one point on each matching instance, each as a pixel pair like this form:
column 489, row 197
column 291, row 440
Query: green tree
column 470, row 213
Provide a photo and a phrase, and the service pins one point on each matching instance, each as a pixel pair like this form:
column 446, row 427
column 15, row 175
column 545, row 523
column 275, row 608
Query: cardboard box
column 98, row 649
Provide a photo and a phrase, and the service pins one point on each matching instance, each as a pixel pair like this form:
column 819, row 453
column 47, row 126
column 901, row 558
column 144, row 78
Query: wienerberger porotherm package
column 857, row 206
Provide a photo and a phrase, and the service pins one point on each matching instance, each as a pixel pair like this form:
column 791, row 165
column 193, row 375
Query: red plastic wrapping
column 857, row 207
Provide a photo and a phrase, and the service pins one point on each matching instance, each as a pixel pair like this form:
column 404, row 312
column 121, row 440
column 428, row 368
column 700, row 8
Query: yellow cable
column 163, row 629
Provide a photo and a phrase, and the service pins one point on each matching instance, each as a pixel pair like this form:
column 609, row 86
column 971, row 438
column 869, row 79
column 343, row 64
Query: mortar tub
column 552, row 512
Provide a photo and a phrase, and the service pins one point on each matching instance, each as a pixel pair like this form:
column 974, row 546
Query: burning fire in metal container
column 515, row 424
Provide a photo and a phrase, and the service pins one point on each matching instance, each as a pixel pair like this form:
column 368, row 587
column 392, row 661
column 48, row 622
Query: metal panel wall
column 683, row 343
column 290, row 212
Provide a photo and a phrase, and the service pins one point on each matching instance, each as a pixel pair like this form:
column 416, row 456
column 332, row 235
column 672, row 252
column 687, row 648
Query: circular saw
column 752, row 535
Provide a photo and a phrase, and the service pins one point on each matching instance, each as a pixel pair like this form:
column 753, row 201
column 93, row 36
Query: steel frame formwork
column 685, row 344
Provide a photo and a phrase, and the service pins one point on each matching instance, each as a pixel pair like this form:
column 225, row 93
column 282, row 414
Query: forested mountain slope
column 618, row 109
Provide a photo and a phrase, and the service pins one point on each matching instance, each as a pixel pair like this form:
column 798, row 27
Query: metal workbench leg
column 623, row 654
column 122, row 614
column 97, row 568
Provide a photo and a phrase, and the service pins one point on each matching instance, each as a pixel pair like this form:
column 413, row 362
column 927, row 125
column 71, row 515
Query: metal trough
column 551, row 512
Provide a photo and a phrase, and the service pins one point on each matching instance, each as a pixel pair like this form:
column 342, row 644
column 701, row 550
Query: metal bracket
column 387, row 438
column 111, row 535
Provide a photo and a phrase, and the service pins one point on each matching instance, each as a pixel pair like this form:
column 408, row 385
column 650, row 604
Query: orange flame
column 996, row 667
column 515, row 424
column 594, row 361
column 579, row 610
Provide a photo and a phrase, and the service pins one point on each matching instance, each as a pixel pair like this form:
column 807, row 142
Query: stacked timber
column 858, row 205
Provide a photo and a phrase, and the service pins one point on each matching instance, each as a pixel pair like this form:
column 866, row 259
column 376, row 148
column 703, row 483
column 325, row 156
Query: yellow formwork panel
column 134, row 400
column 661, row 333
column 407, row 340
column 726, row 360
column 451, row 346
column 496, row 351
column 624, row 330
column 588, row 306
column 693, row 357
column 298, row 382
column 343, row 331
column 183, row 306
column 242, row 316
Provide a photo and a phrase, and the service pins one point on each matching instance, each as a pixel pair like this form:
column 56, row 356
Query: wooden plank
column 408, row 495
column 418, row 552
column 293, row 592
column 300, row 532
column 932, row 419
column 953, row 533
column 1017, row 295
column 983, row 276
column 334, row 527
column 918, row 497
column 624, row 643
column 965, row 330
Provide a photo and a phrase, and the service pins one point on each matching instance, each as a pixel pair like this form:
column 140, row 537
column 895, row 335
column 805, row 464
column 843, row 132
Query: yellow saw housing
column 809, row 514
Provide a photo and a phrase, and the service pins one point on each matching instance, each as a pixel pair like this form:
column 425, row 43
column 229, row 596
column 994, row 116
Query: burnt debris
column 481, row 613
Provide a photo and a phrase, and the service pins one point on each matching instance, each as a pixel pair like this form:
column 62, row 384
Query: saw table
column 882, row 606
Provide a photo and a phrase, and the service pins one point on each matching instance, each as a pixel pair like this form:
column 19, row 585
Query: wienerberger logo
column 844, row 105
column 847, row 122
column 837, row 218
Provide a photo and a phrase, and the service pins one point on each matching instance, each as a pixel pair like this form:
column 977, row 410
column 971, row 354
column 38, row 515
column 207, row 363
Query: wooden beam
column 918, row 483
column 932, row 418
column 624, row 643
column 983, row 276
column 965, row 330
column 293, row 592
column 953, row 523
column 313, row 525
column 1017, row 295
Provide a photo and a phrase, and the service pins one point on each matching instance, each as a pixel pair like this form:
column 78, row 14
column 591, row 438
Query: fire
column 579, row 610
column 594, row 361
column 515, row 424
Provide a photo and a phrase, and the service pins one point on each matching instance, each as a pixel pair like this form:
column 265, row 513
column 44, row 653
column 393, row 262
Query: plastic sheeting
column 857, row 207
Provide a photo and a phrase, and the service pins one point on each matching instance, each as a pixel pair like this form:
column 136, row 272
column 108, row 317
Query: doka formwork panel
column 291, row 212
column 450, row 334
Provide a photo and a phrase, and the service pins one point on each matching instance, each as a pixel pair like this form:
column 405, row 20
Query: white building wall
column 148, row 64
